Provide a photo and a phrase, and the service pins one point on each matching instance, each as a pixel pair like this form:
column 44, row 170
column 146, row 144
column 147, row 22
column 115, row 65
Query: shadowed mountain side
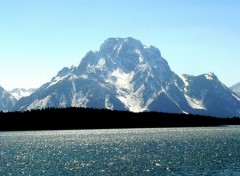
column 82, row 118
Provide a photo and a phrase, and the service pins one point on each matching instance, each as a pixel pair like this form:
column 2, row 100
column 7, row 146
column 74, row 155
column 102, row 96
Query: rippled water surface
column 173, row 151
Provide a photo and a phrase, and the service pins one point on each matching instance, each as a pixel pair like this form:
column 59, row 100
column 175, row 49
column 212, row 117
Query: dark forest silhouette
column 85, row 118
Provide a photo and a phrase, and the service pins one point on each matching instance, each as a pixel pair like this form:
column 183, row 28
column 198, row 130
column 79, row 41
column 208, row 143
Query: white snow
column 184, row 112
column 155, row 95
column 184, row 79
column 122, row 79
column 72, row 77
column 115, row 47
column 108, row 104
column 143, row 66
column 101, row 63
column 84, row 76
column 99, row 66
column 125, row 89
column 20, row 92
column 140, row 58
column 194, row 103
column 63, row 102
column 119, row 49
column 3, row 94
column 209, row 76
column 73, row 88
column 91, row 68
column 39, row 104
column 236, row 88
column 56, row 80
column 80, row 100
column 238, row 98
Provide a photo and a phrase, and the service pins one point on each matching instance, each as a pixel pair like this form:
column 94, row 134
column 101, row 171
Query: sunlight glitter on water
column 170, row 151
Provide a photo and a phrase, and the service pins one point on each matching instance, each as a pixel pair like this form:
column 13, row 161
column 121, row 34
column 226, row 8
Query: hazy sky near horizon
column 40, row 37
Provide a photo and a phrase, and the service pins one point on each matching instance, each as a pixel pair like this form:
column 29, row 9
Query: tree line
column 90, row 118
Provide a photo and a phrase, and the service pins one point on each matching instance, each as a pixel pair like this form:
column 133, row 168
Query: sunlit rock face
column 7, row 101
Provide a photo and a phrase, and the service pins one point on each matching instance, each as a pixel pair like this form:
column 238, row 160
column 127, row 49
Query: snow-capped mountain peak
column 124, row 74
column 210, row 76
column 128, row 53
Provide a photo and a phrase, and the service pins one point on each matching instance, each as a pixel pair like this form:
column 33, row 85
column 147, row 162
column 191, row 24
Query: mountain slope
column 6, row 100
column 127, row 75
column 206, row 93
column 21, row 92
column 236, row 88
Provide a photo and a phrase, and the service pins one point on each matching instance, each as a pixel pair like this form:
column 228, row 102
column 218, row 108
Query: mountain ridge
column 18, row 93
column 7, row 101
column 236, row 88
column 124, row 74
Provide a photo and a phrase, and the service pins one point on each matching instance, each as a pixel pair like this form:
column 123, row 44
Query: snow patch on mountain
column 237, row 97
column 63, row 102
column 194, row 103
column 79, row 99
column 209, row 76
column 125, row 89
column 21, row 92
column 56, row 80
column 184, row 79
column 7, row 101
column 236, row 88
column 39, row 104
column 108, row 104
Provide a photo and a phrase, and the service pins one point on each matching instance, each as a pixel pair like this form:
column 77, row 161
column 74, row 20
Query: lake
column 167, row 151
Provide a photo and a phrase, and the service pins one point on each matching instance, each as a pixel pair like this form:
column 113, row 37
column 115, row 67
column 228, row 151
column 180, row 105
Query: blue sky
column 40, row 37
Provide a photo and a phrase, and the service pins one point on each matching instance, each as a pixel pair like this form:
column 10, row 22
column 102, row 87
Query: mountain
column 236, row 88
column 7, row 101
column 21, row 92
column 127, row 75
column 206, row 92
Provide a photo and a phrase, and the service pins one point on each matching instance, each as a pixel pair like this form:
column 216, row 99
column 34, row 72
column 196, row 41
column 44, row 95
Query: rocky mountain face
column 127, row 75
column 236, row 88
column 18, row 93
column 7, row 101
column 207, row 93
